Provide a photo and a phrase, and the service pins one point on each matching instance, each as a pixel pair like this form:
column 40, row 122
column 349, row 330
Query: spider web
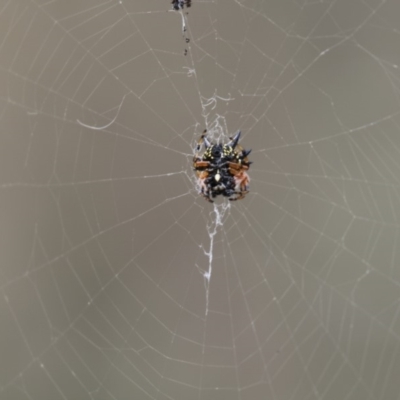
column 119, row 281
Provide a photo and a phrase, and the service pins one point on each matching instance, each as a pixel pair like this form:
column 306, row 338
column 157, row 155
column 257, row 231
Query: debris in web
column 179, row 5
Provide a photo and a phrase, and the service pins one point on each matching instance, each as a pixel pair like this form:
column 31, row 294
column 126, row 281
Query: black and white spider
column 179, row 4
column 221, row 170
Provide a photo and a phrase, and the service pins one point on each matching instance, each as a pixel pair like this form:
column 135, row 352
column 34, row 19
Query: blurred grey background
column 118, row 281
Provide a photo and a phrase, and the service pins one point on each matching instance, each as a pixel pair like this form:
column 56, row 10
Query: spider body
column 221, row 170
column 179, row 4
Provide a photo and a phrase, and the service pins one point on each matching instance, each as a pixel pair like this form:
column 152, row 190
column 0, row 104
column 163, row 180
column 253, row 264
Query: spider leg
column 204, row 186
column 206, row 193
column 240, row 195
column 208, row 198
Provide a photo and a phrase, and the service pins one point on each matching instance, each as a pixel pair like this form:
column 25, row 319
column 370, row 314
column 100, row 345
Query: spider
column 221, row 170
column 179, row 4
